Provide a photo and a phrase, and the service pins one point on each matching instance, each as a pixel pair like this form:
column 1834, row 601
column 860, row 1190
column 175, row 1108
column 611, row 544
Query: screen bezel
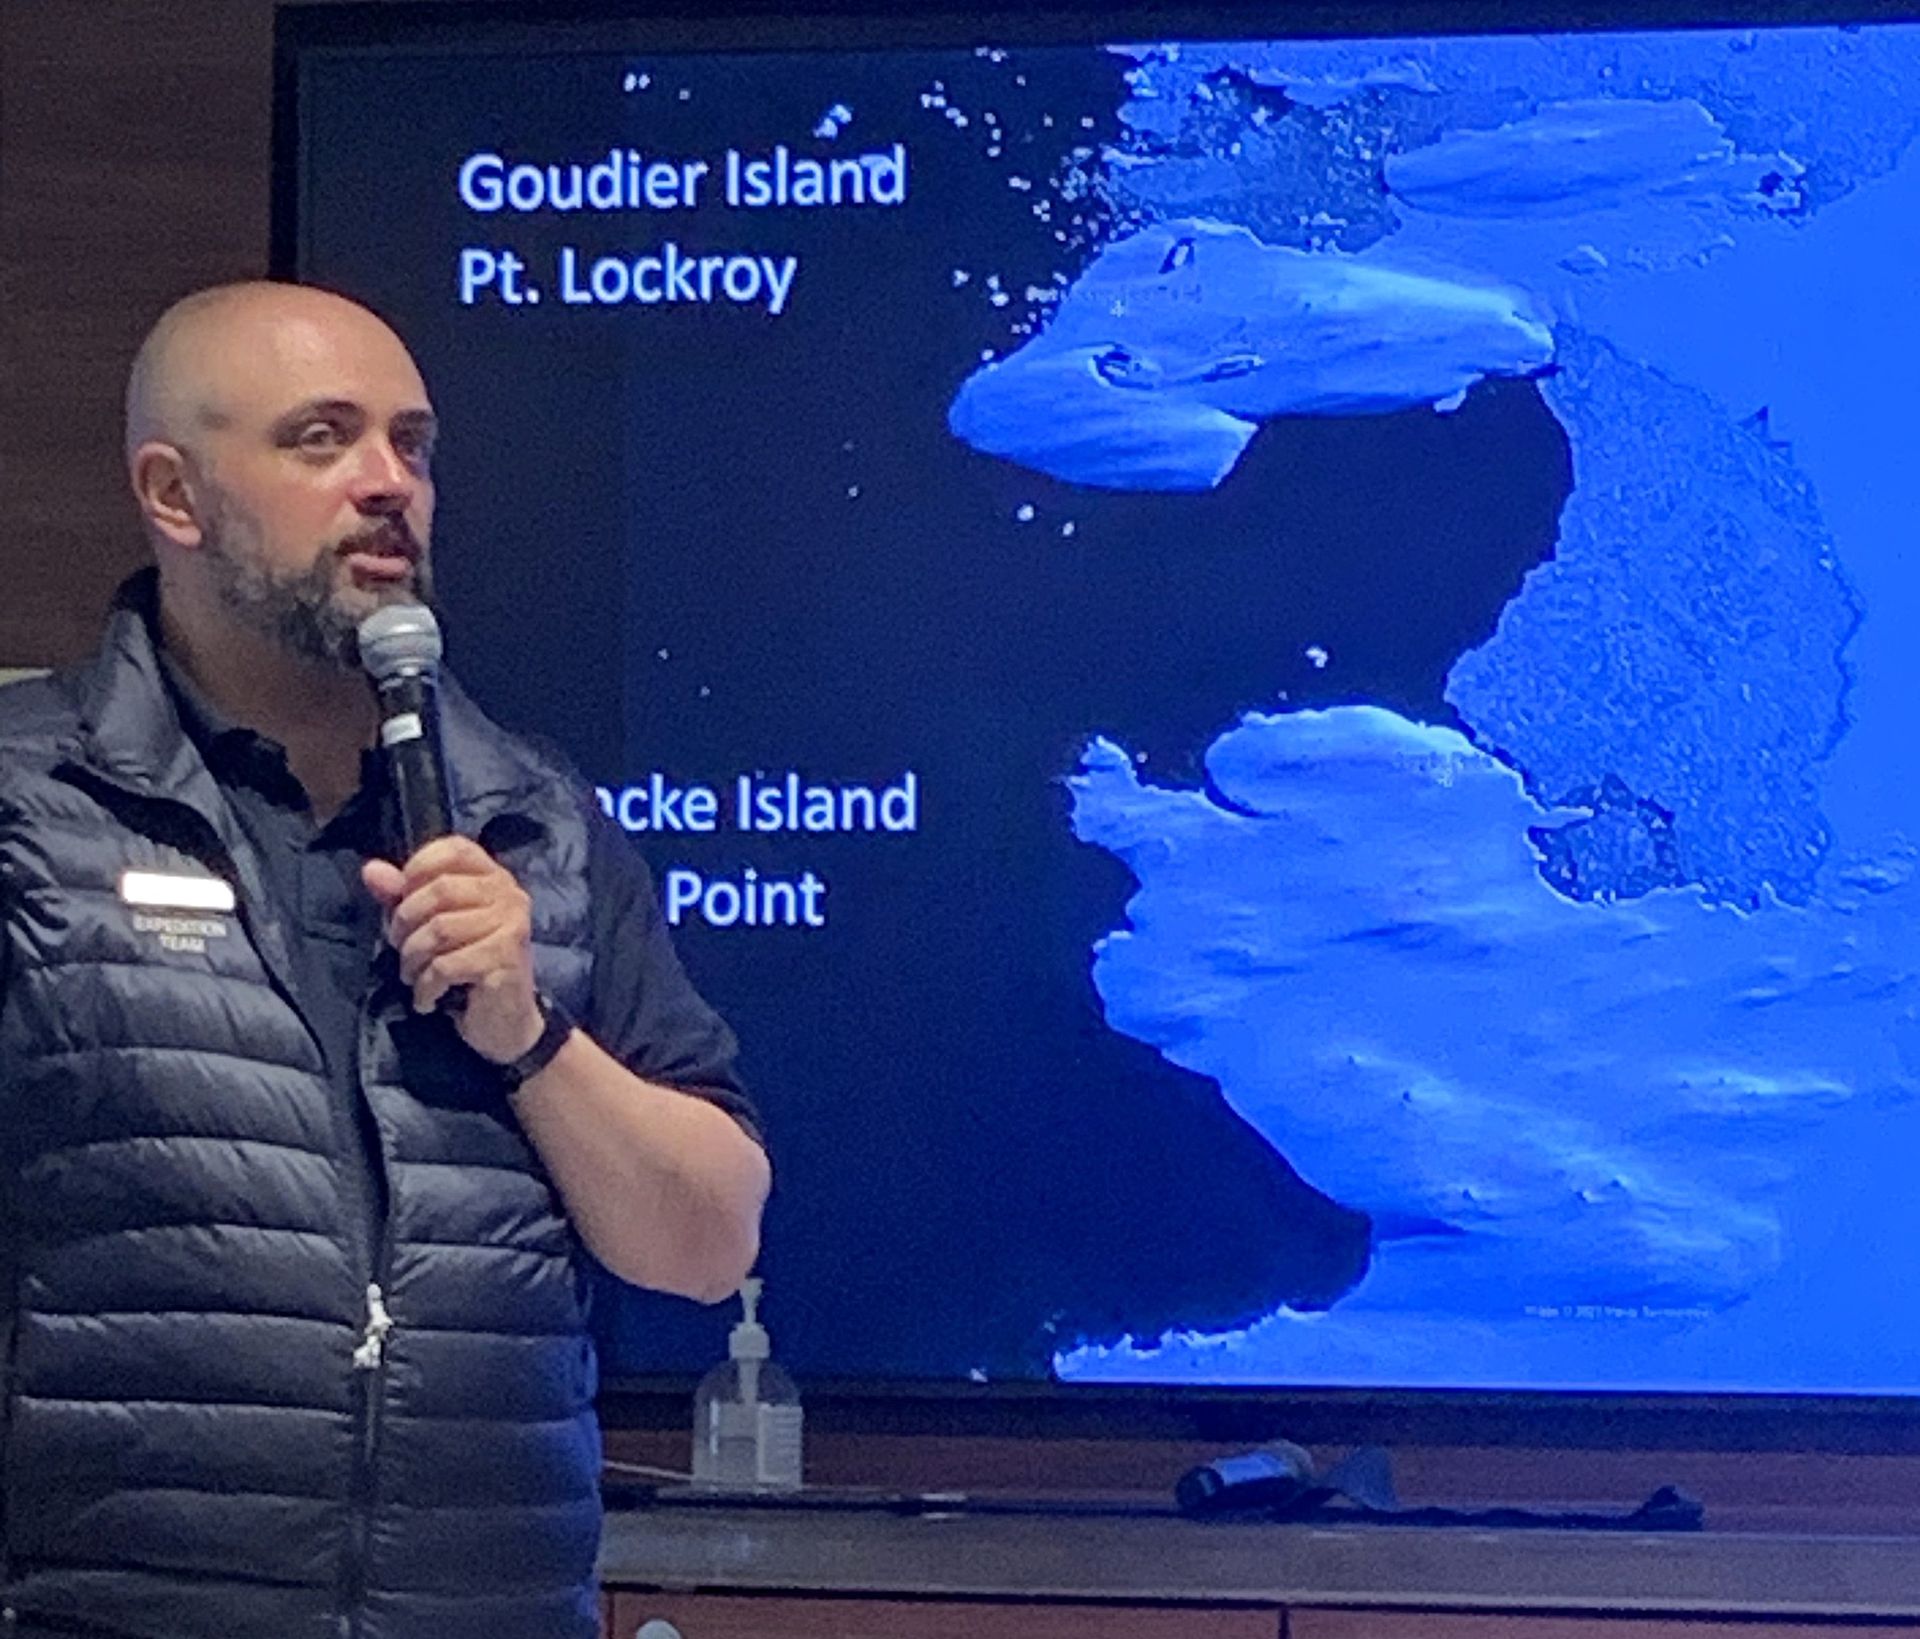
column 1563, row 1418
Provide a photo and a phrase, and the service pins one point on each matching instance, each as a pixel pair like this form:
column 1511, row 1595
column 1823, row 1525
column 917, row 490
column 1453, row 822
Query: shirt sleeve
column 644, row 1010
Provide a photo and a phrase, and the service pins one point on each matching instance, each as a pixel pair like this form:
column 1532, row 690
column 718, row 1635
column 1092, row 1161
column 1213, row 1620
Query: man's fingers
column 460, row 920
column 440, row 897
column 449, row 931
column 475, row 965
column 460, row 856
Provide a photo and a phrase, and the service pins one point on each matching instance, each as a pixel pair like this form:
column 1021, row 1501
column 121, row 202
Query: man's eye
column 320, row 435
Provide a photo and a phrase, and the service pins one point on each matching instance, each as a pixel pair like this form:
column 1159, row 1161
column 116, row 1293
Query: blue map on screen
column 1584, row 995
column 1273, row 680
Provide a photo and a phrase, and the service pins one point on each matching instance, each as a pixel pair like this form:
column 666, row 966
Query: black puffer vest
column 213, row 1425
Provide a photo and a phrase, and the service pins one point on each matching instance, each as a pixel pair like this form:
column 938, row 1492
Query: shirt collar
column 233, row 752
column 238, row 755
column 132, row 732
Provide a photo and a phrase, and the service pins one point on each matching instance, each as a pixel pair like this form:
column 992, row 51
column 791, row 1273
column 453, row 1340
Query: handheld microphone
column 400, row 648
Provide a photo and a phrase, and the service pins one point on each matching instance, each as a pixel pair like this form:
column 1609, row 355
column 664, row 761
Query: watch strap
column 557, row 1025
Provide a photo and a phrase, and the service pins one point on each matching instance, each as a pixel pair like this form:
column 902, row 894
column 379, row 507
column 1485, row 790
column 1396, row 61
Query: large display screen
column 1273, row 677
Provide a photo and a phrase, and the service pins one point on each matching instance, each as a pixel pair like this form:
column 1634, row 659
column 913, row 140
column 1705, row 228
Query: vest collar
column 131, row 729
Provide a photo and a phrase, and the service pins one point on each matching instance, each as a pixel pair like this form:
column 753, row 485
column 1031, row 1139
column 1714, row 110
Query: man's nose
column 386, row 482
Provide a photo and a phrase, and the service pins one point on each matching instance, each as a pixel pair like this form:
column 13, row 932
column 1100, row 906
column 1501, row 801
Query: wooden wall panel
column 134, row 167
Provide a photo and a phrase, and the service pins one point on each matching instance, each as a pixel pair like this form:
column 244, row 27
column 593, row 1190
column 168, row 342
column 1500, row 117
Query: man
column 297, row 1342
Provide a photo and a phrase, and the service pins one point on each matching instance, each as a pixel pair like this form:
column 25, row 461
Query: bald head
column 280, row 444
column 216, row 354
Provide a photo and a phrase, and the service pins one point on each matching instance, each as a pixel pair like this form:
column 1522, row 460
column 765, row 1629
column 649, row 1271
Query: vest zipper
column 369, row 1358
column 369, row 1395
column 372, row 1353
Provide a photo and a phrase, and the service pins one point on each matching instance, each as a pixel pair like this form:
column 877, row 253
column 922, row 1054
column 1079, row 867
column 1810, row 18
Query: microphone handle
column 410, row 738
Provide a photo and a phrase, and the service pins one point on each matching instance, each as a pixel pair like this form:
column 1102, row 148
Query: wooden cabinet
column 788, row 1616
column 1312, row 1624
column 732, row 1616
column 785, row 1616
column 822, row 1573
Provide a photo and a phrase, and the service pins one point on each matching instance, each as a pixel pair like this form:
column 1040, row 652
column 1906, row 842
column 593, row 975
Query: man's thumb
column 384, row 881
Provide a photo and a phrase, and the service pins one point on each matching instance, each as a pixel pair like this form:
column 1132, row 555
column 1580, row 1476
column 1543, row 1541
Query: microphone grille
column 400, row 640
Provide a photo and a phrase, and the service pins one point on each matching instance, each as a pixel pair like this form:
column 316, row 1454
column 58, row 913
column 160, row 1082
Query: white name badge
column 165, row 890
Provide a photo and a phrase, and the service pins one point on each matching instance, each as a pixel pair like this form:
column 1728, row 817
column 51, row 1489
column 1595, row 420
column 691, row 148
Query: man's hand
column 458, row 918
column 666, row 1190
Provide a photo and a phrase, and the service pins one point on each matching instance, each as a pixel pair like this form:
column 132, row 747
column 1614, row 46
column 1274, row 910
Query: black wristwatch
column 556, row 1026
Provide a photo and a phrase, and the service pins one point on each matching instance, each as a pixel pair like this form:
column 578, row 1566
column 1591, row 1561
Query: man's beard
column 312, row 613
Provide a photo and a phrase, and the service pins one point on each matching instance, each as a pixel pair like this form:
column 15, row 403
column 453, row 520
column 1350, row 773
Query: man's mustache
column 392, row 538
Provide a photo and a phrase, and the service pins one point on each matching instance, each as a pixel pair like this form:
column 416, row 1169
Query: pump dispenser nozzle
column 746, row 1413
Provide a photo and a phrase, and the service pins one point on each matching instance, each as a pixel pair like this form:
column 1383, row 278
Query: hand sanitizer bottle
column 746, row 1414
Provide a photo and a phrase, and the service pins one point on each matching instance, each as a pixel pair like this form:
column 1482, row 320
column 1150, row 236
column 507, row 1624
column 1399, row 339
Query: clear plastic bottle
column 747, row 1428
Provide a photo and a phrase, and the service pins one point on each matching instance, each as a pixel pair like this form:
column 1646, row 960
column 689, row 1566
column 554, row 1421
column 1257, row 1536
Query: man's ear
column 165, row 491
